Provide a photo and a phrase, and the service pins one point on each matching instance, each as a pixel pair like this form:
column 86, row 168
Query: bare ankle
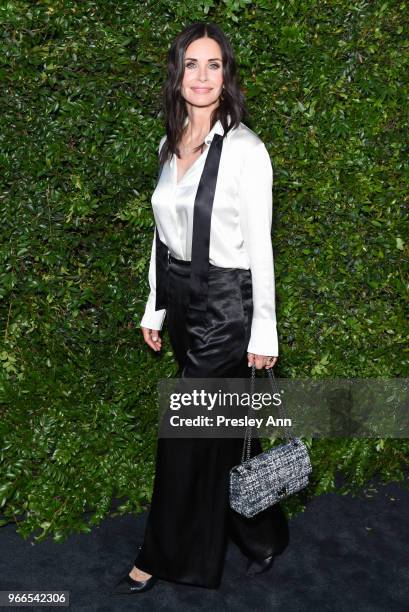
column 138, row 574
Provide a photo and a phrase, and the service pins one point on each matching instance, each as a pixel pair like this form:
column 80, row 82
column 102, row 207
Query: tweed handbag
column 265, row 479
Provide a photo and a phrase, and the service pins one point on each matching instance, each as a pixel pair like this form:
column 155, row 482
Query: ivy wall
column 326, row 84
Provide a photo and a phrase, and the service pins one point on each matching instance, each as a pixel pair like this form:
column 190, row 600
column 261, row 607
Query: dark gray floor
column 344, row 553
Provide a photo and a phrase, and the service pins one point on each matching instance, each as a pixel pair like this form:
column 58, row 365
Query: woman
column 215, row 284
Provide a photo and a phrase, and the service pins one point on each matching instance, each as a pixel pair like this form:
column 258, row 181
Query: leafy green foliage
column 326, row 84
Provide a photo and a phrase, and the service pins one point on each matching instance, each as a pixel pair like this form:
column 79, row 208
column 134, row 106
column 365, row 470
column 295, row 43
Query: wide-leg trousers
column 190, row 520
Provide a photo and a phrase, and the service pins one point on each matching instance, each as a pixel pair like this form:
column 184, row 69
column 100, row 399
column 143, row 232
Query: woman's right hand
column 152, row 338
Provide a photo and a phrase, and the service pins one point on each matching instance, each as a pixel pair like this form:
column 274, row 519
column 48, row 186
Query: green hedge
column 326, row 85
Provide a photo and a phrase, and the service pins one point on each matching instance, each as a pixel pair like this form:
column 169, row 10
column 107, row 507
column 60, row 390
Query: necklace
column 188, row 149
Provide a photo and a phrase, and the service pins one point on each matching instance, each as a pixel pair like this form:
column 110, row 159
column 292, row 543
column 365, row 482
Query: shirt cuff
column 263, row 338
column 153, row 320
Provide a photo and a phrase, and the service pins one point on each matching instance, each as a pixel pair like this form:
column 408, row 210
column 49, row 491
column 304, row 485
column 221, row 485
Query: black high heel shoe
column 259, row 567
column 127, row 585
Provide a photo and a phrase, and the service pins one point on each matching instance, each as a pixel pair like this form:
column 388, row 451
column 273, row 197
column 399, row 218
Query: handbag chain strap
column 247, row 435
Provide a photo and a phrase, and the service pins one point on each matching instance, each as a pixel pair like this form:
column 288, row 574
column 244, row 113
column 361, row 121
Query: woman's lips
column 201, row 89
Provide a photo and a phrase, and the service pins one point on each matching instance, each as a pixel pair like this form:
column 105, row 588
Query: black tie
column 202, row 214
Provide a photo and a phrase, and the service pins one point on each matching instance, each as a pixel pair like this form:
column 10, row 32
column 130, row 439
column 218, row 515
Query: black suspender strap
column 162, row 267
column 202, row 214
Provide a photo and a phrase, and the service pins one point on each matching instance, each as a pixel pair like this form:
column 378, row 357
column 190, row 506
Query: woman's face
column 203, row 77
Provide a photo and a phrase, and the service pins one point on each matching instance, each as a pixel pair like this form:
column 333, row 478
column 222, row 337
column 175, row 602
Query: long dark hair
column 174, row 105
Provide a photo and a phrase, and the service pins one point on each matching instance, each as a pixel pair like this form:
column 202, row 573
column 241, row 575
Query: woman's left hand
column 261, row 361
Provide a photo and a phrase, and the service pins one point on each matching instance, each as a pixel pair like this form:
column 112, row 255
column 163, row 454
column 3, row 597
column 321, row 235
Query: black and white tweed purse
column 263, row 480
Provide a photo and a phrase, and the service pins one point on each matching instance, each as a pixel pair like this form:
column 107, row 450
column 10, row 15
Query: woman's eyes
column 214, row 65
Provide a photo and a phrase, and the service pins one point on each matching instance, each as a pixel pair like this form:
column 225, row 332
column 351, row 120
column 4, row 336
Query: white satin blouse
column 240, row 226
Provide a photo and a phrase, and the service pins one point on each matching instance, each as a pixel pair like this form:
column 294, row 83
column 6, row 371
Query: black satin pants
column 190, row 519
